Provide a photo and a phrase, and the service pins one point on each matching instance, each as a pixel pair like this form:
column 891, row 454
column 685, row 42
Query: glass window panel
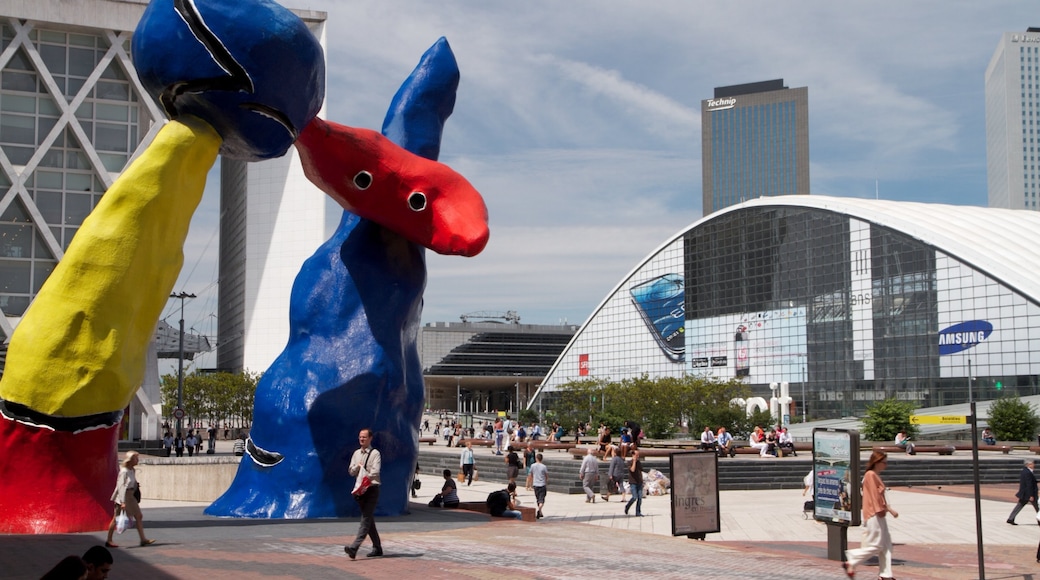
column 41, row 271
column 14, row 275
column 15, row 212
column 112, row 112
column 49, row 204
column 113, row 91
column 76, row 160
column 81, row 40
column 110, row 137
column 52, row 158
column 15, row 241
column 52, row 36
column 19, row 61
column 114, row 71
column 48, row 180
column 13, row 81
column 17, row 129
column 77, row 206
column 113, row 161
column 14, row 305
column 18, row 104
column 40, row 249
column 81, row 61
column 47, row 107
column 18, row 155
column 54, row 58
column 69, row 234
column 44, row 127
column 85, row 111
column 74, row 86
column 78, row 181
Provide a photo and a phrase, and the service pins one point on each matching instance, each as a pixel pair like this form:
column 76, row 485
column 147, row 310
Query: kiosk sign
column 695, row 493
column 836, row 490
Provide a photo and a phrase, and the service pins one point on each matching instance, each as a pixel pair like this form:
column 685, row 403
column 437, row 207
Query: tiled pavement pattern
column 763, row 536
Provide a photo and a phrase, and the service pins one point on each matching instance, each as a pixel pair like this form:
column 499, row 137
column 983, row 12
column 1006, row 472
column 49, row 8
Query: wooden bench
column 429, row 440
column 477, row 442
column 940, row 449
column 528, row 513
column 540, row 445
column 1005, row 449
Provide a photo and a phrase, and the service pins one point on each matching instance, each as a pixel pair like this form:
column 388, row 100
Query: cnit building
column 849, row 301
column 72, row 116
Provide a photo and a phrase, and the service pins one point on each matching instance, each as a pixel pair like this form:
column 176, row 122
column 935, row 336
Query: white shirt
column 707, row 437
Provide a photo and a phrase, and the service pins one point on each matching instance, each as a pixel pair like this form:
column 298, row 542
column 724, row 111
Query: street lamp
column 180, row 362
column 517, row 375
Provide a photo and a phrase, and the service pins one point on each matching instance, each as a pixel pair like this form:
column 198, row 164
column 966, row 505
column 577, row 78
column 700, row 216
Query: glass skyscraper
column 754, row 143
column 1013, row 121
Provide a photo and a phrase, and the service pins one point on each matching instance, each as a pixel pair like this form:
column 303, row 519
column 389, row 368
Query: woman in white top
column 126, row 501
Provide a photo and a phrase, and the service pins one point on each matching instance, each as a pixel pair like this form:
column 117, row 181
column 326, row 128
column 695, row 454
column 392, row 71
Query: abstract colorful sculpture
column 352, row 360
column 77, row 356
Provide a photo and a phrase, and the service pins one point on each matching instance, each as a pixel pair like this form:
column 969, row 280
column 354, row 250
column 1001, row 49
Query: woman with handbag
column 876, row 539
column 126, row 496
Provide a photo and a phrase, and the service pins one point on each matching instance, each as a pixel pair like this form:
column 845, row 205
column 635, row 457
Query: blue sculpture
column 351, row 361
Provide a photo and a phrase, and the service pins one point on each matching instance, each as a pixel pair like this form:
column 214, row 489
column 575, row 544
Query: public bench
column 429, row 440
column 940, row 449
column 528, row 513
column 477, row 442
column 540, row 445
column 1005, row 449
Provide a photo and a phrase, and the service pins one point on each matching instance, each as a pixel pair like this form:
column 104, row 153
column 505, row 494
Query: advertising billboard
column 836, row 492
column 768, row 346
column 695, row 493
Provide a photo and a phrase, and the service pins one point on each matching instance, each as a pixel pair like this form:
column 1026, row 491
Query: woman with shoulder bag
column 126, row 497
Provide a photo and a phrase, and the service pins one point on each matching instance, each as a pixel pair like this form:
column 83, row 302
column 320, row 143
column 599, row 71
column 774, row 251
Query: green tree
column 527, row 416
column 884, row 419
column 1013, row 420
column 212, row 397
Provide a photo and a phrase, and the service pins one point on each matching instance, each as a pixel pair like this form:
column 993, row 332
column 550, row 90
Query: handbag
column 122, row 522
column 364, row 482
column 137, row 494
column 462, row 477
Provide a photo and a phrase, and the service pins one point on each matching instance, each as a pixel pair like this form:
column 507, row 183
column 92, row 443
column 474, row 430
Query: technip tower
column 754, row 143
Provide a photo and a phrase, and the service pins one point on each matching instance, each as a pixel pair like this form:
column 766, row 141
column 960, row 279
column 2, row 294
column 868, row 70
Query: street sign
column 938, row 419
column 178, row 413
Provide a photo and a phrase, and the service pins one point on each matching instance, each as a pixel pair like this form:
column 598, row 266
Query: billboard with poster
column 695, row 493
column 836, row 477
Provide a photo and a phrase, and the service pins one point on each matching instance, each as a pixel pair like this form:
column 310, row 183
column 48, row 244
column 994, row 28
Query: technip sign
column 720, row 104
column 963, row 336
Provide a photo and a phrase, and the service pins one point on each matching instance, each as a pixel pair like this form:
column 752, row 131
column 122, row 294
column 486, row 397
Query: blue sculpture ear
column 249, row 68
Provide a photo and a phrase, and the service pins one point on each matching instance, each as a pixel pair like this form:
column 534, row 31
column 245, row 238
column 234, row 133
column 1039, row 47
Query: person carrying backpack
column 502, row 503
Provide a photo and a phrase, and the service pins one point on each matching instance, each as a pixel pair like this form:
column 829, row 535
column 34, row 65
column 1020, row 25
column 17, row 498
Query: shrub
column 887, row 418
column 1013, row 420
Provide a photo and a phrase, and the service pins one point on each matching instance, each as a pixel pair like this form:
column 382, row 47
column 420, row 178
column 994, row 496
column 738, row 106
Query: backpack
column 497, row 502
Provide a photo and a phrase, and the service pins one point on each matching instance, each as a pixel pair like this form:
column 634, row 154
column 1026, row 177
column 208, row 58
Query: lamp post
column 517, row 409
column 180, row 360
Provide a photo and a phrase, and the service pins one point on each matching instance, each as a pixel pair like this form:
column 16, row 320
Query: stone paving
column 764, row 535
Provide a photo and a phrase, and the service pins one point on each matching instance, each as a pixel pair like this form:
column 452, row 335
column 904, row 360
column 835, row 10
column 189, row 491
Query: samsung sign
column 963, row 336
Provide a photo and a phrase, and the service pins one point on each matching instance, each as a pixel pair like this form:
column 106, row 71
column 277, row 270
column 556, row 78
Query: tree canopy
column 219, row 397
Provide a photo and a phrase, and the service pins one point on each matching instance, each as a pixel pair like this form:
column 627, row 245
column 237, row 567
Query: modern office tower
column 754, row 143
column 1013, row 121
column 72, row 115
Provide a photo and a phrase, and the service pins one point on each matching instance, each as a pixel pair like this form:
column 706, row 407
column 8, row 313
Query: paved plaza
column 764, row 535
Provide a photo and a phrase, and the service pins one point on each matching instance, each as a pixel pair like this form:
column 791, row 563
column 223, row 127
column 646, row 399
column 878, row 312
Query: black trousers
column 1021, row 504
column 367, row 528
column 467, row 470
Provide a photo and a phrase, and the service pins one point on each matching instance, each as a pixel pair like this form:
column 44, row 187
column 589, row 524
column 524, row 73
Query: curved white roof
column 1003, row 243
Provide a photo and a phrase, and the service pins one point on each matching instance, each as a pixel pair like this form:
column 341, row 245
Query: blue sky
column 579, row 122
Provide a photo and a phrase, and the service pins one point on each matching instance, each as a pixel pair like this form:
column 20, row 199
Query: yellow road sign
column 938, row 419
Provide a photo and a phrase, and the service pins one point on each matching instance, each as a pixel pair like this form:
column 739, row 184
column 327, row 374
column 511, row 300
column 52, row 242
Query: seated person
column 987, row 437
column 626, row 438
column 758, row 441
column 786, row 443
column 771, row 443
column 560, row 432
column 724, row 441
column 449, row 495
column 903, row 440
column 502, row 503
column 707, row 439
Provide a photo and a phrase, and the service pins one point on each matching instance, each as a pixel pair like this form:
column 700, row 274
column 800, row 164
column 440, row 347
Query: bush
column 887, row 418
column 1013, row 420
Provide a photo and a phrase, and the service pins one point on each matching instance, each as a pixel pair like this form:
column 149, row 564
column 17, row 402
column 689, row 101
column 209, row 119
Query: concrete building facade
column 1013, row 121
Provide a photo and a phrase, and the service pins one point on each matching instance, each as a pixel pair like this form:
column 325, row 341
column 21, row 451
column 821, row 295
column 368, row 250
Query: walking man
column 1026, row 491
column 588, row 473
column 366, row 461
column 635, row 484
column 466, row 462
column 540, row 479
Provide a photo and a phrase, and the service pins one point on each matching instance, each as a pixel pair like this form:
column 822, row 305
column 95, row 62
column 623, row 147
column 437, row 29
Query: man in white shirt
column 366, row 458
column 707, row 439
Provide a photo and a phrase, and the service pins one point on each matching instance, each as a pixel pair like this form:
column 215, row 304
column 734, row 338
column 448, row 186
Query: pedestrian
column 191, row 442
column 1026, row 493
column 589, row 473
column 635, row 484
column 449, row 495
column 604, row 437
column 707, row 439
column 987, row 437
column 512, row 466
column 724, row 441
column 502, row 503
column 616, row 472
column 69, row 568
column 366, row 463
column 178, row 444
column 903, row 440
column 99, row 562
column 540, row 480
column 466, row 462
column 876, row 540
column 416, row 482
column 126, row 495
column 529, row 461
column 167, row 443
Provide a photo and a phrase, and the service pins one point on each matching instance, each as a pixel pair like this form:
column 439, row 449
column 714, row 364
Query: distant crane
column 486, row 315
